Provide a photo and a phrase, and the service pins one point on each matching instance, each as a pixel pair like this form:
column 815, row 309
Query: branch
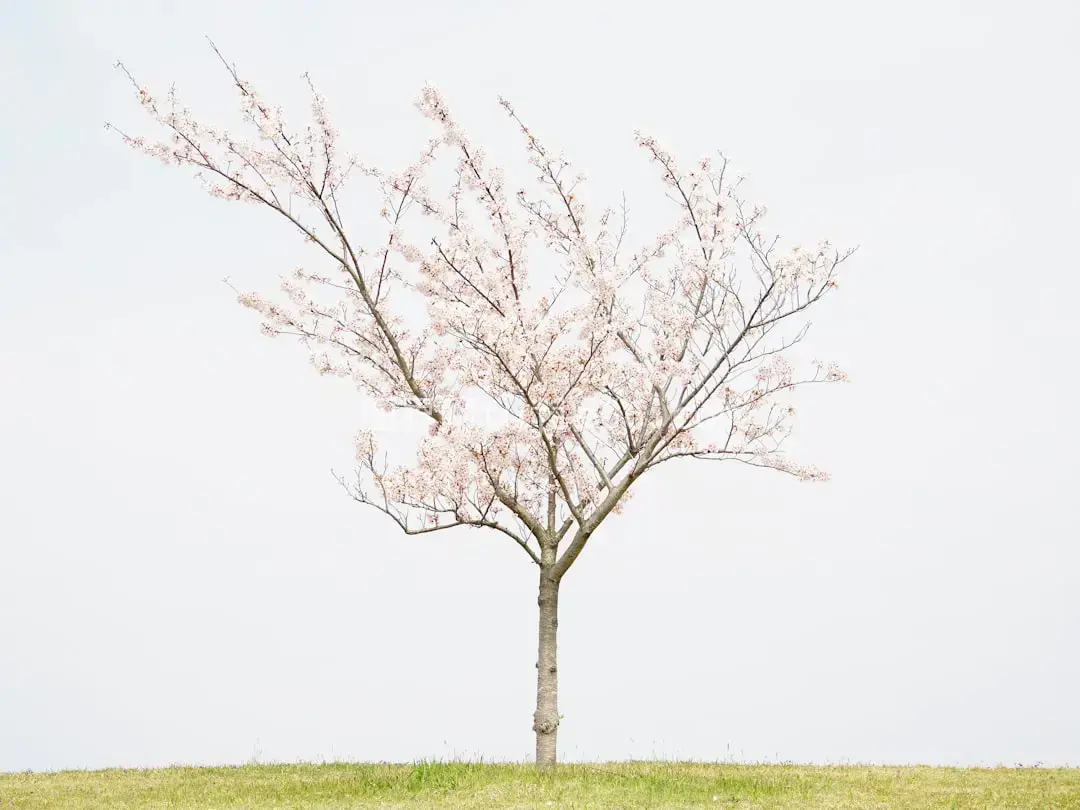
column 358, row 496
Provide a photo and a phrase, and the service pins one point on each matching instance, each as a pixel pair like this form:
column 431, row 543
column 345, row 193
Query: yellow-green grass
column 622, row 785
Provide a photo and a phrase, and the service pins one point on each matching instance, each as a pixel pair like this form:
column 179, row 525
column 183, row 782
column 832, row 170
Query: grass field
column 463, row 785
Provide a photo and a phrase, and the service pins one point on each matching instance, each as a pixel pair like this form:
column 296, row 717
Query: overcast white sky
column 181, row 580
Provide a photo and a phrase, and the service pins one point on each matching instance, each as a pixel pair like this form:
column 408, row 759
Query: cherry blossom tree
column 601, row 364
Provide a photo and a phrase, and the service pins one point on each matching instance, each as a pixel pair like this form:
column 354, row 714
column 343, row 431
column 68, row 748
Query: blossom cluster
column 605, row 363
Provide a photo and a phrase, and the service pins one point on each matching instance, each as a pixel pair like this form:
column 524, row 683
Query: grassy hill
column 621, row 785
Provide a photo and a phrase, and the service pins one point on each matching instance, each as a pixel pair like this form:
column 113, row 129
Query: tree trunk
column 546, row 718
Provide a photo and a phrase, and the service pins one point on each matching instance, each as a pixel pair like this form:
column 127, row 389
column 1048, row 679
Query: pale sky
column 184, row 582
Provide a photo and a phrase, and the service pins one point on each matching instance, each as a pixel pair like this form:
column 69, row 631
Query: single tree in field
column 602, row 366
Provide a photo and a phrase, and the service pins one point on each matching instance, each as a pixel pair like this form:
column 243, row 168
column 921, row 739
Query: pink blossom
column 596, row 363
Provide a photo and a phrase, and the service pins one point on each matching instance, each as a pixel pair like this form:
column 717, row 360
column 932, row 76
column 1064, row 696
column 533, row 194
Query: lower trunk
column 546, row 718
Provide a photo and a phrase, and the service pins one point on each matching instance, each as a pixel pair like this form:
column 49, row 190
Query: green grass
column 464, row 785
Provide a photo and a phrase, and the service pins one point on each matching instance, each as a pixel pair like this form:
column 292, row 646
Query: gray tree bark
column 546, row 717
